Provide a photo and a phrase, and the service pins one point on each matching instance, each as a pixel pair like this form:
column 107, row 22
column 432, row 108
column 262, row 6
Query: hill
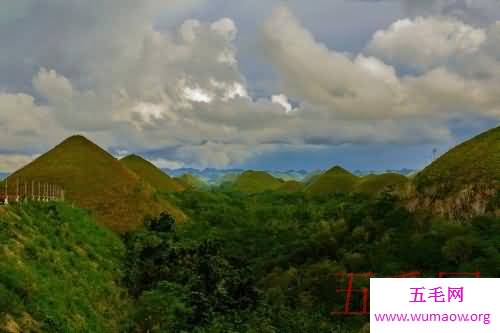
column 59, row 272
column 188, row 180
column 95, row 180
column 151, row 174
column 463, row 182
column 377, row 183
column 256, row 181
column 334, row 180
column 290, row 186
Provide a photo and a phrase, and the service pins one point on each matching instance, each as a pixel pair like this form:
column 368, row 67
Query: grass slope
column 190, row 181
column 256, row 181
column 372, row 184
column 95, row 180
column 335, row 180
column 291, row 186
column 151, row 174
column 476, row 161
column 59, row 272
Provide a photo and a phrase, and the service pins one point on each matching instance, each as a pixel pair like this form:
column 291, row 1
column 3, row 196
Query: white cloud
column 283, row 101
column 180, row 91
column 427, row 42
column 12, row 162
column 167, row 164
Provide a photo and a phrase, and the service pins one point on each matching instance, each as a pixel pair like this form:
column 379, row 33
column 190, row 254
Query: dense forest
column 267, row 262
column 270, row 262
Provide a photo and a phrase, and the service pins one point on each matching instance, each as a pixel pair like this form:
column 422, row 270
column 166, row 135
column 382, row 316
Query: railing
column 22, row 190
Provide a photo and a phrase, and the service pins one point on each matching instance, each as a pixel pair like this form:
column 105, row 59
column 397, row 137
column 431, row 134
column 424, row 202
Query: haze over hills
column 151, row 174
column 465, row 181
column 95, row 180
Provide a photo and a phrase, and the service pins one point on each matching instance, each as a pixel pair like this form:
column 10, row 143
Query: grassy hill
column 291, row 186
column 190, row 181
column 256, row 181
column 377, row 183
column 59, row 272
column 334, row 180
column 151, row 174
column 476, row 161
column 95, row 180
column 464, row 182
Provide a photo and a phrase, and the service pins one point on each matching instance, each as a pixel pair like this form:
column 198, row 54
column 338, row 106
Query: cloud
column 167, row 164
column 283, row 101
column 477, row 12
column 12, row 162
column 428, row 42
column 366, row 88
column 179, row 95
column 23, row 123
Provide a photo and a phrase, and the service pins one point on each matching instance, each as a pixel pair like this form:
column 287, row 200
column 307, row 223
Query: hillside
column 334, row 180
column 188, row 180
column 256, row 181
column 290, row 186
column 151, row 174
column 59, row 272
column 464, row 181
column 377, row 183
column 95, row 180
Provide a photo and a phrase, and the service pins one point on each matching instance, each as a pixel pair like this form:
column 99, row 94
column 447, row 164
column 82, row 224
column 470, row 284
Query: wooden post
column 17, row 190
column 6, row 201
column 25, row 191
column 39, row 198
column 32, row 190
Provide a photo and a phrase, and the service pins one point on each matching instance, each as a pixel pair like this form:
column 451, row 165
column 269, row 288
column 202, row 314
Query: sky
column 262, row 84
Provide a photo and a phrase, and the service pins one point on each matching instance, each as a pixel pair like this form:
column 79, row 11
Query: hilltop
column 463, row 182
column 95, row 180
column 256, row 181
column 334, row 180
column 151, row 174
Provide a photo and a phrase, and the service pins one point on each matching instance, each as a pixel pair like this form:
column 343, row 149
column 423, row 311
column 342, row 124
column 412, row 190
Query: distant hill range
column 93, row 179
column 339, row 180
column 464, row 182
column 3, row 175
column 213, row 176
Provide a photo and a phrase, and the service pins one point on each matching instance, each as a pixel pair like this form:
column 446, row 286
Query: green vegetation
column 335, row 180
column 255, row 255
column 291, row 186
column 339, row 180
column 267, row 262
column 258, row 262
column 59, row 271
column 474, row 162
column 95, row 180
column 151, row 174
column 189, row 181
column 377, row 183
column 256, row 181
